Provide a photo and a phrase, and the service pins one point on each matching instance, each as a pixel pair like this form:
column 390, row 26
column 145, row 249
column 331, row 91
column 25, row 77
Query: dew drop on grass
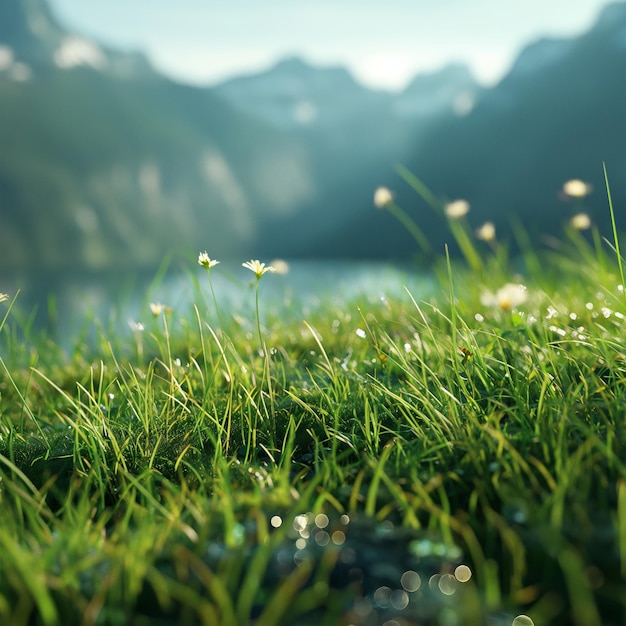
column 433, row 582
column 399, row 599
column 447, row 584
column 463, row 573
column 339, row 537
column 411, row 580
column 321, row 520
column 322, row 538
column 381, row 597
column 523, row 620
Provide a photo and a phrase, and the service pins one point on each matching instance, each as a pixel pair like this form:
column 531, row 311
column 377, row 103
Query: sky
column 384, row 43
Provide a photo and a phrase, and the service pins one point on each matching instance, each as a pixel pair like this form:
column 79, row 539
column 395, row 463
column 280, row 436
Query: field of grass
column 454, row 460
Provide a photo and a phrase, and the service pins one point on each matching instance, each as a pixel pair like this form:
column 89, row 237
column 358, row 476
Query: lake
column 66, row 306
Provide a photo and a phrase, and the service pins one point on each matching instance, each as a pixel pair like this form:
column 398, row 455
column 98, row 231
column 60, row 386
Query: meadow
column 454, row 460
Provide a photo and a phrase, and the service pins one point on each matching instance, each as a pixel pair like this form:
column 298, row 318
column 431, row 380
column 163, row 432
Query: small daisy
column 576, row 188
column 157, row 308
column 457, row 209
column 258, row 268
column 206, row 262
column 507, row 297
column 280, row 266
column 581, row 221
column 382, row 197
column 136, row 327
column 487, row 232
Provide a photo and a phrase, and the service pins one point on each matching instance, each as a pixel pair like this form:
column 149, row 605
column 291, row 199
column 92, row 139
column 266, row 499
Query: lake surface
column 65, row 306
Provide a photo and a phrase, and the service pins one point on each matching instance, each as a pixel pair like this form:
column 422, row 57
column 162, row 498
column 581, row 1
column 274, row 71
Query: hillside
column 103, row 171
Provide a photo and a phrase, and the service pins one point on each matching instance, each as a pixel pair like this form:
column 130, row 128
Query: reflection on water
column 67, row 307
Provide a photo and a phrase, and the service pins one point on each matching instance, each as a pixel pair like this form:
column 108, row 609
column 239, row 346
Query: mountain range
column 106, row 164
column 559, row 114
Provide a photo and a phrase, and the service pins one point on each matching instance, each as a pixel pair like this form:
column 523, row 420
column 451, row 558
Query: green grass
column 278, row 470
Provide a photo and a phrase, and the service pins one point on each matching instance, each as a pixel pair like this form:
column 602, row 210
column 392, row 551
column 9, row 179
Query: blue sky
column 384, row 42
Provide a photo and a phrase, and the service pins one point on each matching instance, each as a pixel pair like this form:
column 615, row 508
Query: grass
column 457, row 459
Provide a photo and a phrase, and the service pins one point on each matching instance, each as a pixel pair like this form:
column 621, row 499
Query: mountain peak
column 457, row 73
column 294, row 93
column 611, row 13
column 293, row 74
column 610, row 26
column 292, row 64
column 296, row 65
column 32, row 39
column 453, row 87
column 29, row 28
column 539, row 54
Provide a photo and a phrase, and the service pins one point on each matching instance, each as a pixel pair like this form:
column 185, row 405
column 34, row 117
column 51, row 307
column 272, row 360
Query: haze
column 383, row 44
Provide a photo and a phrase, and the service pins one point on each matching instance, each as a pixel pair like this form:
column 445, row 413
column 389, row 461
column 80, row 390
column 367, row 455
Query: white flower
column 136, row 327
column 157, row 308
column 4, row 296
column 576, row 188
column 457, row 209
column 487, row 232
column 507, row 297
column 205, row 261
column 382, row 197
column 258, row 268
column 280, row 266
column 581, row 221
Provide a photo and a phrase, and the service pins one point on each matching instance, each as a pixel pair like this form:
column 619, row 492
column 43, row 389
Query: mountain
column 107, row 165
column 110, row 165
column 355, row 136
column 30, row 31
column 558, row 114
column 294, row 94
column 98, row 171
column 452, row 89
column 32, row 40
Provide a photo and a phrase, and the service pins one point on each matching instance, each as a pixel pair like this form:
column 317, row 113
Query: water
column 65, row 307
